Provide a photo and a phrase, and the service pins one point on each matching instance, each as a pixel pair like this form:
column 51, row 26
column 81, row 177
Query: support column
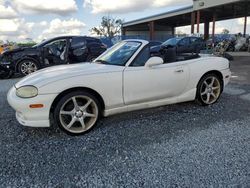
column 198, row 21
column 151, row 30
column 123, row 31
column 192, row 22
column 173, row 31
column 245, row 26
column 213, row 29
column 206, row 30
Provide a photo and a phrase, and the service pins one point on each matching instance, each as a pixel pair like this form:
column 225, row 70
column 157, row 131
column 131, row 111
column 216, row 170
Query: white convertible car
column 126, row 77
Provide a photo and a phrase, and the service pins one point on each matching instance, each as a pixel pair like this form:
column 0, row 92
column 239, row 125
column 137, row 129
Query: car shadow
column 149, row 126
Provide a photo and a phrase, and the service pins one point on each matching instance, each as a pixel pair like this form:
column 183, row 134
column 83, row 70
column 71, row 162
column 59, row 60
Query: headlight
column 5, row 60
column 27, row 92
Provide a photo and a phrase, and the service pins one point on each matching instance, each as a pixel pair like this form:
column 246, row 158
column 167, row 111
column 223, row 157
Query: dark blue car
column 55, row 51
column 182, row 45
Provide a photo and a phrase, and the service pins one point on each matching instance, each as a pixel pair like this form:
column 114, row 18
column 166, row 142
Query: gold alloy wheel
column 78, row 114
column 210, row 90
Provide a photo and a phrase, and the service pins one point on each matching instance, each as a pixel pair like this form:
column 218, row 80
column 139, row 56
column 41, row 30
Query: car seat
column 169, row 55
column 62, row 56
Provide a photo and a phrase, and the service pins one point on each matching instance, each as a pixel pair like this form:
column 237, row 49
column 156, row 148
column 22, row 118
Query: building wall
column 201, row 4
column 159, row 35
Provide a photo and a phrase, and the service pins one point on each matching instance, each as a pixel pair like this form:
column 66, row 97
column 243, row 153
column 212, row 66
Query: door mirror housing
column 153, row 61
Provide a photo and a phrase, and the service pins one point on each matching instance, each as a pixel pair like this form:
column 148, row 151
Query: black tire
column 64, row 102
column 197, row 50
column 33, row 67
column 228, row 57
column 203, row 91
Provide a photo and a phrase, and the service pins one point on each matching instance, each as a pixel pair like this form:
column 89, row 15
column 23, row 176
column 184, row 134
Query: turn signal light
column 36, row 106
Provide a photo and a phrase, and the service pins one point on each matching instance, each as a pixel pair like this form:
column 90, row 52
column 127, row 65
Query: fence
column 111, row 41
column 161, row 37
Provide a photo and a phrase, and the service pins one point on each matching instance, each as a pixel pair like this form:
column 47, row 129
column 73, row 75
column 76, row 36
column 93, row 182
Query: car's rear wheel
column 209, row 89
column 27, row 67
column 77, row 112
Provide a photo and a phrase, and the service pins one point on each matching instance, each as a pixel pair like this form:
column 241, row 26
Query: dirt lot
column 182, row 145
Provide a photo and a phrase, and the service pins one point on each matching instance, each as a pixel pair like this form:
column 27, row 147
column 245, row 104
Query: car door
column 199, row 45
column 78, row 51
column 143, row 84
column 95, row 49
column 95, row 46
column 184, row 46
column 55, row 52
column 195, row 44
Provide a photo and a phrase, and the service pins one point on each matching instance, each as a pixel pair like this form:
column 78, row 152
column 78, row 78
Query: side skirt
column 188, row 96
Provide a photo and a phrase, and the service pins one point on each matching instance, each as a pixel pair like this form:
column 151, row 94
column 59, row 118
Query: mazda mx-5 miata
column 124, row 78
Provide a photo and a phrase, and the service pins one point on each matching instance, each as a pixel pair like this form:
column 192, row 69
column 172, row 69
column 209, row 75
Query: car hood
column 19, row 49
column 52, row 74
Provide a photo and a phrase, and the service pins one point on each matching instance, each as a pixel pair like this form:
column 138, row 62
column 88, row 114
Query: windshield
column 119, row 54
column 171, row 42
column 43, row 43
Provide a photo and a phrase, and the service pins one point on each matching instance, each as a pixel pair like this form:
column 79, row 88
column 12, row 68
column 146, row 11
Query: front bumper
column 8, row 64
column 31, row 117
column 4, row 68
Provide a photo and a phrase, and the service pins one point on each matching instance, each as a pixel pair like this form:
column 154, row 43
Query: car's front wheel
column 209, row 89
column 77, row 112
column 27, row 67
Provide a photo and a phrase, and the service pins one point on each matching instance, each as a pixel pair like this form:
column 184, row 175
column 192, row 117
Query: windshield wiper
column 101, row 61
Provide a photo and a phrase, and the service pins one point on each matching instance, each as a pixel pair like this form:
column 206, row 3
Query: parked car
column 182, row 45
column 124, row 78
column 56, row 51
column 155, row 43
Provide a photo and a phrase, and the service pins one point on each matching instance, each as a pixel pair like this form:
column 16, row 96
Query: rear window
column 172, row 41
column 77, row 42
column 184, row 42
column 196, row 40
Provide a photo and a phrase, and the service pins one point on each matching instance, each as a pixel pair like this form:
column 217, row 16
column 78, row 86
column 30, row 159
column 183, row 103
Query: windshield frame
column 43, row 43
column 102, row 61
column 47, row 41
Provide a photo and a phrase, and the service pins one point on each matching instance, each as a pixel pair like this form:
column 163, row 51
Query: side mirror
column 153, row 61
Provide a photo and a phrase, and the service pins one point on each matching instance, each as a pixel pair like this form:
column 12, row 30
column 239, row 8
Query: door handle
column 179, row 71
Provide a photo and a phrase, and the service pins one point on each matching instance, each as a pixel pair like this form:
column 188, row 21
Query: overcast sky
column 40, row 19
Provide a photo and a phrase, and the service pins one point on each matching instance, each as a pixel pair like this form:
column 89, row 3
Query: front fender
column 108, row 85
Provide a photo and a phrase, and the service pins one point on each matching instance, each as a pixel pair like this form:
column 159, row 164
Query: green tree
column 109, row 27
column 225, row 31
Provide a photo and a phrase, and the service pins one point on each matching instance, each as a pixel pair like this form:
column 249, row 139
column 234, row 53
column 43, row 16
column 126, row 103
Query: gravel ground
column 182, row 145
